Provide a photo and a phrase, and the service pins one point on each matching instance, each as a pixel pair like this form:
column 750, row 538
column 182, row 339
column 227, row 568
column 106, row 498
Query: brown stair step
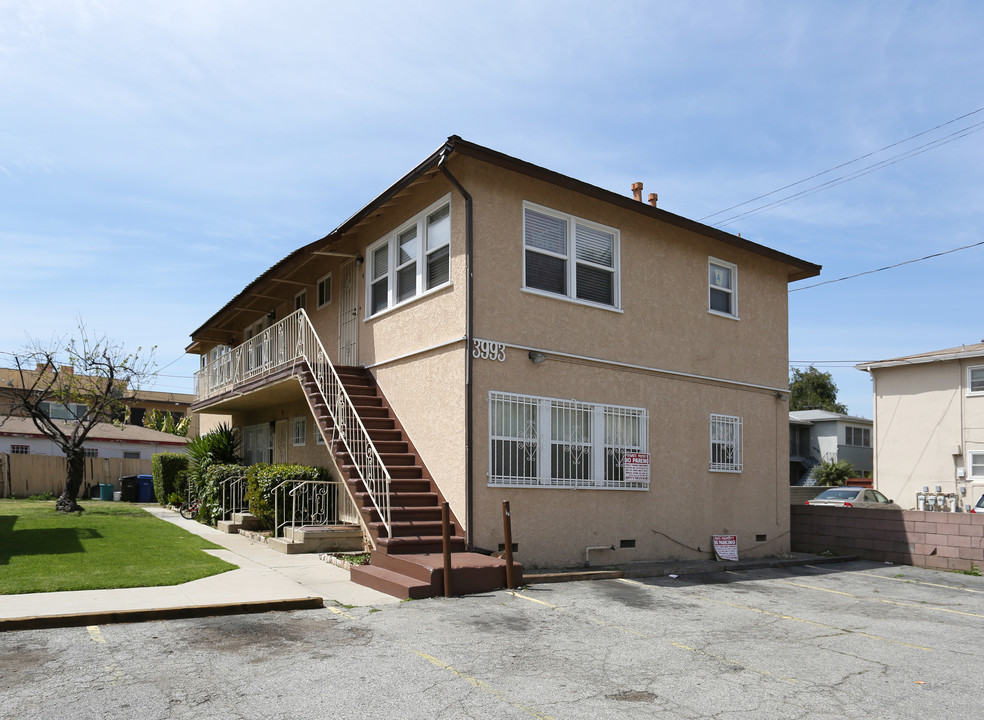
column 405, row 544
column 409, row 512
column 389, row 582
column 405, row 528
column 470, row 572
column 406, row 499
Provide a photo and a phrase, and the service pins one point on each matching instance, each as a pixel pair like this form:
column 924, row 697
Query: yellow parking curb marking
column 882, row 600
column 920, row 582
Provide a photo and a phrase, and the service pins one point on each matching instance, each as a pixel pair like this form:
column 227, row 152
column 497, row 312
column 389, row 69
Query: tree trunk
column 75, row 471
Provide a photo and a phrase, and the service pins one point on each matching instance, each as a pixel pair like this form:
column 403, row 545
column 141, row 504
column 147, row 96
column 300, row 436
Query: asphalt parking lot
column 853, row 640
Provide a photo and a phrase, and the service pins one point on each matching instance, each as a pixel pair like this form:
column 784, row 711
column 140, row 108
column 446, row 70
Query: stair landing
column 420, row 575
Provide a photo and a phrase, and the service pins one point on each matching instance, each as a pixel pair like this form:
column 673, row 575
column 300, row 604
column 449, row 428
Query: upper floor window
column 565, row 255
column 60, row 411
column 977, row 465
column 324, row 290
column 725, row 443
column 722, row 287
column 413, row 260
column 300, row 300
column 857, row 436
column 975, row 380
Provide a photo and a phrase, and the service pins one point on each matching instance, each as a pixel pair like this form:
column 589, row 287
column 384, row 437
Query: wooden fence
column 25, row 475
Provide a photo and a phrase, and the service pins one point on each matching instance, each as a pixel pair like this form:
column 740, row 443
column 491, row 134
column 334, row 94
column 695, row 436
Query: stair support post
column 507, row 537
column 446, row 538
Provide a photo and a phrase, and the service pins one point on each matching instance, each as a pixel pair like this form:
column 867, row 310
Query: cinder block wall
column 946, row 541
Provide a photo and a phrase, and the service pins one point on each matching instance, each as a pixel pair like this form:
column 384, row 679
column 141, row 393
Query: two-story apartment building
column 929, row 423
column 615, row 371
column 817, row 436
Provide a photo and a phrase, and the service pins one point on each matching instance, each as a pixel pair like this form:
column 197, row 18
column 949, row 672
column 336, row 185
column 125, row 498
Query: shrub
column 833, row 472
column 169, row 470
column 263, row 479
column 218, row 447
column 210, row 491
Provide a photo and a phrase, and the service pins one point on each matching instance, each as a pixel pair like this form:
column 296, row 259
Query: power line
column 844, row 164
column 947, row 139
column 887, row 267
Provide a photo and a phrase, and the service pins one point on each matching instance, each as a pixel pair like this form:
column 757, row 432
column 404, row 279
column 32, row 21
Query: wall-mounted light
column 272, row 315
column 359, row 259
column 537, row 357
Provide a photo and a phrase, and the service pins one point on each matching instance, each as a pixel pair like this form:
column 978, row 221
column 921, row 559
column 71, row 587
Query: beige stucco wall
column 685, row 503
column 925, row 427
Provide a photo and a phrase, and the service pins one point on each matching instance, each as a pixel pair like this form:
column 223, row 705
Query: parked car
column 853, row 497
column 979, row 507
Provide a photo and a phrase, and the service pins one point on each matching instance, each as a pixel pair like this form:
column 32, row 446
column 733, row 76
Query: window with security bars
column 411, row 261
column 91, row 452
column 567, row 256
column 857, row 436
column 546, row 442
column 20, row 449
column 725, row 443
column 298, row 427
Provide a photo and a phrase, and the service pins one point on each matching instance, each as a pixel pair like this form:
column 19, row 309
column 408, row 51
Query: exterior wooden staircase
column 408, row 562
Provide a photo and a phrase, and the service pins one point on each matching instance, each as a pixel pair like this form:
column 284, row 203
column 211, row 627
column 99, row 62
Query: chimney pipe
column 653, row 197
column 637, row 191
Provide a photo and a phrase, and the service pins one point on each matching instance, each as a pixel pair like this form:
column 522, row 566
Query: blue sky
column 157, row 156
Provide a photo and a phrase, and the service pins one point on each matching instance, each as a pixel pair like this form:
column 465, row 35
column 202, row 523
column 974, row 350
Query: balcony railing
column 287, row 343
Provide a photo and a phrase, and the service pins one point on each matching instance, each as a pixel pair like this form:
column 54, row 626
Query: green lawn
column 110, row 545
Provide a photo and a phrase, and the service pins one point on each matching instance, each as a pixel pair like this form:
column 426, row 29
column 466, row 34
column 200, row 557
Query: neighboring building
column 19, row 436
column 141, row 402
column 615, row 371
column 816, row 436
column 929, row 423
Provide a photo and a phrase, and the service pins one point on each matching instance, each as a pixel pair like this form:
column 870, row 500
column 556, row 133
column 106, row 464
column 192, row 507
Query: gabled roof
column 101, row 432
column 799, row 269
column 958, row 353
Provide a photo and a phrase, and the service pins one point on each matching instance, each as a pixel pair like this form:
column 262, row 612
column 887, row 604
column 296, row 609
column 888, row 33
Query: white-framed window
column 725, row 443
column 318, row 437
column 571, row 257
column 91, row 452
column 857, row 436
column 324, row 290
column 20, row 449
column 552, row 443
column 413, row 260
column 976, row 461
column 298, row 431
column 131, row 454
column 722, row 287
column 975, row 380
column 300, row 300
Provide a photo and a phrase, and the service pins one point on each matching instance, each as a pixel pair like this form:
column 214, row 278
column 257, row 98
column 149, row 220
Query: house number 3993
column 488, row 350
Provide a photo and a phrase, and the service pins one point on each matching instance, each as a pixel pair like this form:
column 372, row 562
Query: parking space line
column 920, row 582
column 649, row 636
column 343, row 614
column 112, row 669
column 881, row 600
column 480, row 684
column 811, row 622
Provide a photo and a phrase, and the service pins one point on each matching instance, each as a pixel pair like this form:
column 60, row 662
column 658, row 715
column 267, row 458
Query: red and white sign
column 725, row 547
column 636, row 467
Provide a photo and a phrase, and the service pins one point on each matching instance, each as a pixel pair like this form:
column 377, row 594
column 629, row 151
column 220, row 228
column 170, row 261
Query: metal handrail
column 236, row 487
column 279, row 491
column 283, row 344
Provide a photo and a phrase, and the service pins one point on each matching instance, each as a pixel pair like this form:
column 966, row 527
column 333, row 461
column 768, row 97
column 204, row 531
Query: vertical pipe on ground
column 446, row 537
column 507, row 537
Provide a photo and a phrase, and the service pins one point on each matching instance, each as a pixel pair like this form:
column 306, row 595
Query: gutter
column 469, row 335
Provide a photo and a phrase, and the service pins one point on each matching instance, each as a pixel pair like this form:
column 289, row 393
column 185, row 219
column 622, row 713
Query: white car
column 979, row 507
column 858, row 497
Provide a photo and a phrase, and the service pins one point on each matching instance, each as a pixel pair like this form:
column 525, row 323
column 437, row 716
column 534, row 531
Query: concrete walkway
column 266, row 580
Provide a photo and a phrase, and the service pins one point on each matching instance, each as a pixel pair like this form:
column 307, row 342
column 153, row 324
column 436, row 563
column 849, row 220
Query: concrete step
column 247, row 521
column 389, row 582
column 321, row 538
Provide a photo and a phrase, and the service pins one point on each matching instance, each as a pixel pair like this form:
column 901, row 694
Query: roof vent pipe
column 653, row 197
column 637, row 191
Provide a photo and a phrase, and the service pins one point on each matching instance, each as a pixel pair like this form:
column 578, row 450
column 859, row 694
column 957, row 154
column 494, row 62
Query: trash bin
column 116, row 495
column 145, row 488
column 106, row 491
column 128, row 488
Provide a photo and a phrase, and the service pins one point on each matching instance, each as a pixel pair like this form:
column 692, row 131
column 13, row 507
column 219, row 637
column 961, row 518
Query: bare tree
column 67, row 386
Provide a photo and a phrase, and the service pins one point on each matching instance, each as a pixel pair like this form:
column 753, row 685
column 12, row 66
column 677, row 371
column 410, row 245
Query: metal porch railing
column 285, row 344
column 233, row 497
column 312, row 502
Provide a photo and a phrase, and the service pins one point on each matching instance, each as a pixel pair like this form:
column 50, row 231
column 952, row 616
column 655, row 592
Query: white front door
column 348, row 316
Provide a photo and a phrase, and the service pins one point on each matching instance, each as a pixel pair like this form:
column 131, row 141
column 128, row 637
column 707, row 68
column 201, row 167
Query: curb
column 149, row 614
column 627, row 571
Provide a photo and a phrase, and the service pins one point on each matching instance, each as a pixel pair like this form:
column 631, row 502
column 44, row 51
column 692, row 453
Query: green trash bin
column 106, row 491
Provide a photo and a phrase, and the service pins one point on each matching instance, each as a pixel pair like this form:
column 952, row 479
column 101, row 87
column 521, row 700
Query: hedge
column 169, row 475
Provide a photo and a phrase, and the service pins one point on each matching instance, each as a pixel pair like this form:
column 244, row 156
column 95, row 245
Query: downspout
column 469, row 333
